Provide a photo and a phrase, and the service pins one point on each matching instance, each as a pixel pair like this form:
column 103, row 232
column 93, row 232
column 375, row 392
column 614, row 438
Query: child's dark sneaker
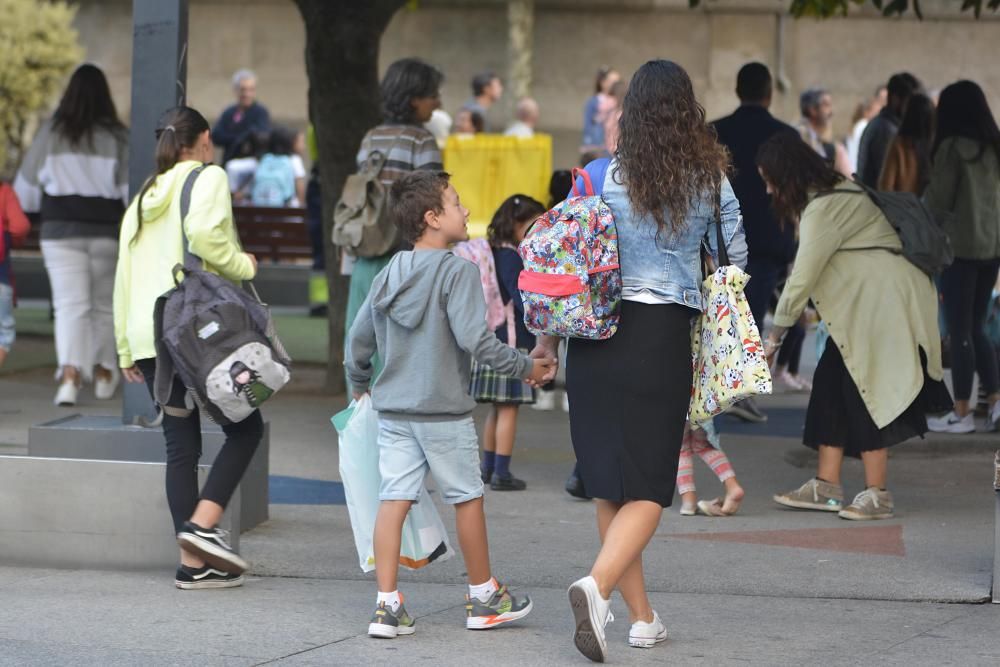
column 210, row 545
column 502, row 607
column 509, row 483
column 388, row 625
column 196, row 578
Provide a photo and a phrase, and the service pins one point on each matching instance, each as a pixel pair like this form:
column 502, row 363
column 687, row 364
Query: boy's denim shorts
column 6, row 317
column 449, row 449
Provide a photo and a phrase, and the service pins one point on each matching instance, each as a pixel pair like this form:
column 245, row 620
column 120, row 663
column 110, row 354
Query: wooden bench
column 274, row 234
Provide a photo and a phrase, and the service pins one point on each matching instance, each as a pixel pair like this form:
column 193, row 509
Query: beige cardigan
column 880, row 309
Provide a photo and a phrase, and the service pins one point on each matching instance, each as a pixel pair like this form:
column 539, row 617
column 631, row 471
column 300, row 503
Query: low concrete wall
column 107, row 439
column 73, row 513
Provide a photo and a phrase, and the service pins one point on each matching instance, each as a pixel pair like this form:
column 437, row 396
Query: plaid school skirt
column 488, row 386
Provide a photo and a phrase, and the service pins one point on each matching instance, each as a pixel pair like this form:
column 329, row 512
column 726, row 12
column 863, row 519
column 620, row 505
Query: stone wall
column 849, row 56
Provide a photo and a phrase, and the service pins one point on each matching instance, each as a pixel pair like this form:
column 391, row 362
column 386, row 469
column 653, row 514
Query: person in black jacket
column 882, row 129
column 771, row 246
column 243, row 119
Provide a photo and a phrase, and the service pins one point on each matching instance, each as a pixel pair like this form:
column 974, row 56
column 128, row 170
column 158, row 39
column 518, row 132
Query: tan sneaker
column 868, row 505
column 814, row 495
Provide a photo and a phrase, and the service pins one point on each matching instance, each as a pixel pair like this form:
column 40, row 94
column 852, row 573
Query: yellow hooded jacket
column 146, row 257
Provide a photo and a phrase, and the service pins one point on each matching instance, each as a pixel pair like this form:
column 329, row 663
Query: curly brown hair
column 793, row 168
column 668, row 156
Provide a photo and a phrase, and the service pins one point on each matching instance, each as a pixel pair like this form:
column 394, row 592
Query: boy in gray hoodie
column 426, row 316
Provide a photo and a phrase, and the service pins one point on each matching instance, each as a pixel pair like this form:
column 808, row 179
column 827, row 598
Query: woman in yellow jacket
column 151, row 244
column 881, row 370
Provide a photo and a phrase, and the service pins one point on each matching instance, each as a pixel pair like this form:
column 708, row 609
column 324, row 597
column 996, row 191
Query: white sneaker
column 105, row 389
column 565, row 402
column 545, row 400
column 647, row 635
column 66, row 395
column 993, row 420
column 591, row 613
column 789, row 380
column 952, row 423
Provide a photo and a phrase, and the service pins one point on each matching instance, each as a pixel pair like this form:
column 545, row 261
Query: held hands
column 542, row 371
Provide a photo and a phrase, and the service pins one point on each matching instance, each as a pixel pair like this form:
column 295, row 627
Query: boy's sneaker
column 868, row 505
column 591, row 613
column 387, row 624
column 502, row 607
column 509, row 483
column 196, row 578
column 814, row 495
column 647, row 635
column 952, row 423
column 210, row 545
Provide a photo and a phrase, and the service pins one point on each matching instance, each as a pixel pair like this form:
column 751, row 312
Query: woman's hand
column 133, row 374
column 547, row 348
column 773, row 343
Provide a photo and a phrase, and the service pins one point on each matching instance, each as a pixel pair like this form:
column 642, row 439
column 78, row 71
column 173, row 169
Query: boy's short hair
column 412, row 196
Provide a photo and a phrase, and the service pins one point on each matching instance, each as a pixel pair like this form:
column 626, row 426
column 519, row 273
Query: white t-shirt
column 299, row 171
column 240, row 172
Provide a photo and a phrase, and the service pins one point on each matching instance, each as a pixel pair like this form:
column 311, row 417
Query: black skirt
column 628, row 399
column 837, row 416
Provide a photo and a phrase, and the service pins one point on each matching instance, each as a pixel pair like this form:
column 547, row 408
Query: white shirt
column 520, row 129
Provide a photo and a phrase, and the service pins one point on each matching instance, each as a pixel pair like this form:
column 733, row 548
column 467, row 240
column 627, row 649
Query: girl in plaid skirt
column 509, row 225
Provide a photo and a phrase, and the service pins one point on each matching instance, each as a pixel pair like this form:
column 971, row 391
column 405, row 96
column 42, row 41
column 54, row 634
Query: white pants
column 82, row 276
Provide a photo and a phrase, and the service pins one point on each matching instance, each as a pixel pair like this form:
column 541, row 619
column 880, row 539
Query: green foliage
column 827, row 8
column 38, row 48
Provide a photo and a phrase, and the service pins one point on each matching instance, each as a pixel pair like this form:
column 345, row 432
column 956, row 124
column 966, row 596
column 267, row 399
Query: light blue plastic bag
column 424, row 538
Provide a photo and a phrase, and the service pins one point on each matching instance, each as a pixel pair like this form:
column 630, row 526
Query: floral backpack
column 571, row 284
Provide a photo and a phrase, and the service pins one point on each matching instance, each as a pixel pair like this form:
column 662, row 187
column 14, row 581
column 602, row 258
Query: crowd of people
column 781, row 198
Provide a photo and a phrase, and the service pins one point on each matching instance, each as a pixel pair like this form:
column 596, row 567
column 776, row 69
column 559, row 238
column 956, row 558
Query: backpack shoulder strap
column 191, row 262
column 378, row 158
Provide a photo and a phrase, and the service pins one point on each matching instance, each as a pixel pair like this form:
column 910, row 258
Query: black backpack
column 925, row 243
column 217, row 338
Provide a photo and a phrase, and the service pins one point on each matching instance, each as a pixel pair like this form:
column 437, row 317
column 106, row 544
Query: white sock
column 483, row 592
column 392, row 600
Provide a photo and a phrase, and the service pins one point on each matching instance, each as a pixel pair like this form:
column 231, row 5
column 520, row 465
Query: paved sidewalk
column 766, row 587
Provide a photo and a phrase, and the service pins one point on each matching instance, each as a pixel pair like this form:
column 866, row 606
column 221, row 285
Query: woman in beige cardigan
column 881, row 370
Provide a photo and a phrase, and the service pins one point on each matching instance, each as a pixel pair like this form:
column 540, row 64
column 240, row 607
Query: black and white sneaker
column 196, row 578
column 210, row 545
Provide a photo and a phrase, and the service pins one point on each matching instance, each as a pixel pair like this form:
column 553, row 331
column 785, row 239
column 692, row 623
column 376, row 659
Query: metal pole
column 159, row 82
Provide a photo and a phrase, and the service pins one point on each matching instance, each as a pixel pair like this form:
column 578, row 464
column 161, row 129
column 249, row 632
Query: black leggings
column 183, row 436
column 966, row 286
column 790, row 352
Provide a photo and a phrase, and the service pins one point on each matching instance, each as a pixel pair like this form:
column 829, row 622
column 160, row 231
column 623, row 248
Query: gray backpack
column 217, row 338
column 925, row 243
column 361, row 222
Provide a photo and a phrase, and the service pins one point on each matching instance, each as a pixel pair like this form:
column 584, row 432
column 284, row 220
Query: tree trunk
column 342, row 45
column 520, row 39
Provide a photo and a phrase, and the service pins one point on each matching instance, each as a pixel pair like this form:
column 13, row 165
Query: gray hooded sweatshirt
column 426, row 316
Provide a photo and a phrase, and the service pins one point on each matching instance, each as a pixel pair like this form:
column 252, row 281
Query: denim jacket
column 663, row 264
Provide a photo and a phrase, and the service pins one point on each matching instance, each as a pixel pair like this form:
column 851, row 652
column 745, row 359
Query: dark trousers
column 790, row 352
column 966, row 286
column 183, row 436
column 764, row 276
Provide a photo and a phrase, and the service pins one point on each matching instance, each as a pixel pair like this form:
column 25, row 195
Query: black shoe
column 509, row 483
column 210, row 545
column 748, row 411
column 574, row 486
column 487, row 477
column 192, row 579
column 319, row 311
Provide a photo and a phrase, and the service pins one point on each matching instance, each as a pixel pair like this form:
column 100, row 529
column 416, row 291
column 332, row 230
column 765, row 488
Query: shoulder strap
column 383, row 156
column 191, row 262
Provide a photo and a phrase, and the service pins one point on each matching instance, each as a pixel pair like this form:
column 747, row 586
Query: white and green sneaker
column 502, row 607
column 387, row 624
column 814, row 495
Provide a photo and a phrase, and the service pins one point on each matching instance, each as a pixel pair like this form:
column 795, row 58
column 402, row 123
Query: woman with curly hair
column 411, row 91
column 880, row 373
column 629, row 394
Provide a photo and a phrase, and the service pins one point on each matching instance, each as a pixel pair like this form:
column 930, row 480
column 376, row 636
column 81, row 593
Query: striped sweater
column 80, row 190
column 410, row 147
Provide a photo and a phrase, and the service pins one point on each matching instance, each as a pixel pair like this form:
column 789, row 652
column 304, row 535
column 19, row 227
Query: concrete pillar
column 159, row 82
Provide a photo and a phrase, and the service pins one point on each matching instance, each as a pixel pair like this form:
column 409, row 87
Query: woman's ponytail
column 177, row 129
